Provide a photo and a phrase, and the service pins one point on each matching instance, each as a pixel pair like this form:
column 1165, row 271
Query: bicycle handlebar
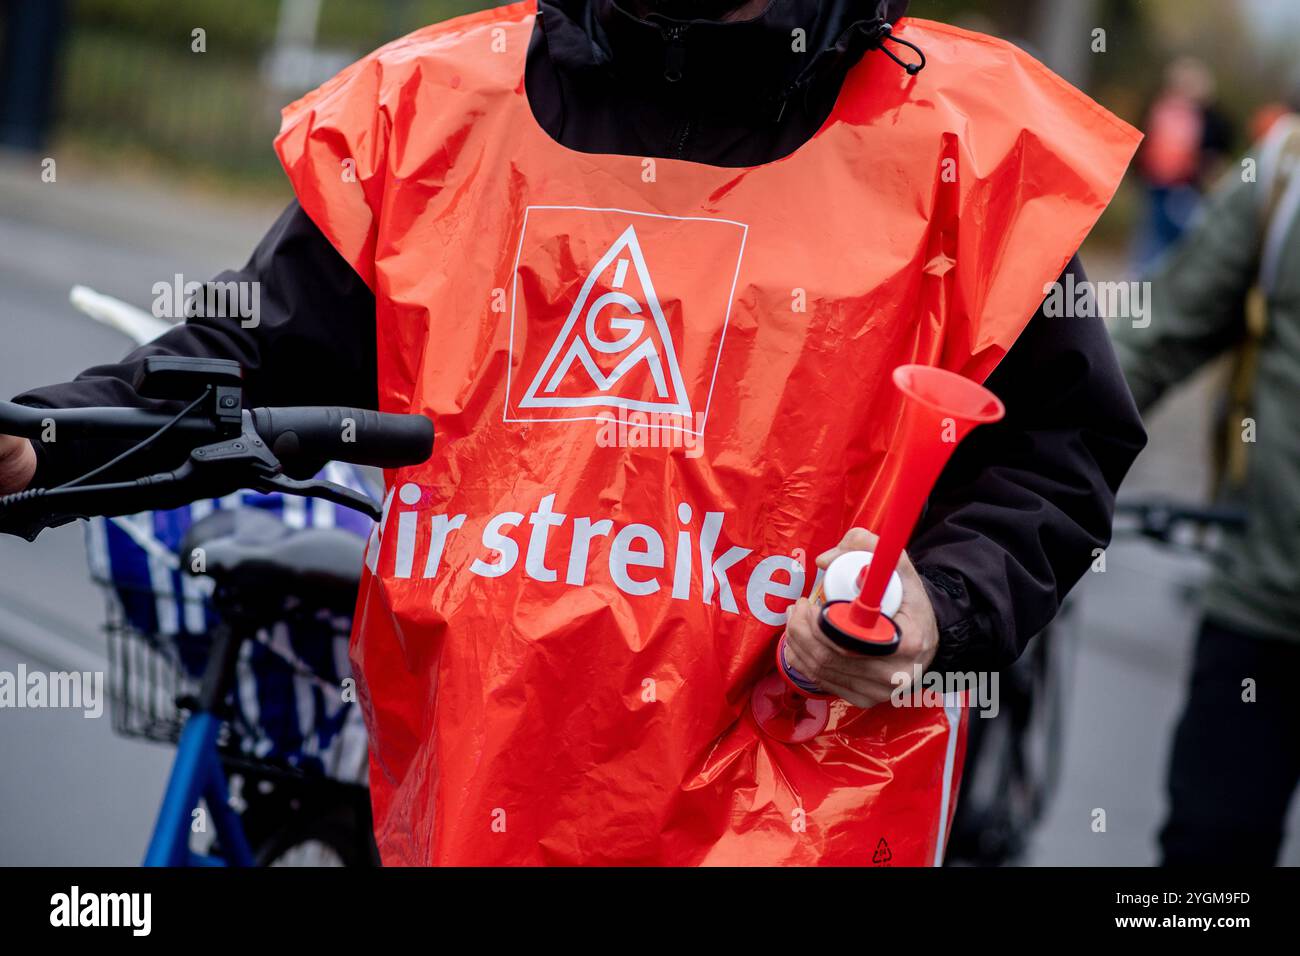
column 1159, row 520
column 354, row 435
column 114, row 424
column 264, row 449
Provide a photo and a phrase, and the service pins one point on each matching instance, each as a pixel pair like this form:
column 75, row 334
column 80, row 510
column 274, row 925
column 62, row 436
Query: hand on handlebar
column 214, row 444
column 263, row 449
column 17, row 464
column 861, row 680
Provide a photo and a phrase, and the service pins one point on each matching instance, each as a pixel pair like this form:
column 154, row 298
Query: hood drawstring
column 876, row 33
column 886, row 34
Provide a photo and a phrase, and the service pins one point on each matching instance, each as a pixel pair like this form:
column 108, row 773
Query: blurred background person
column 1232, row 285
column 1187, row 138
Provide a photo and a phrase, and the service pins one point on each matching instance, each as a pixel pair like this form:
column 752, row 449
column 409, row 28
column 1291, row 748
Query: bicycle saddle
column 257, row 560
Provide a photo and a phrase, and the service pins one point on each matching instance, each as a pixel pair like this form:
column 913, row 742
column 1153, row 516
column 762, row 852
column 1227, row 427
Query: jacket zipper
column 683, row 137
column 674, row 71
column 675, row 58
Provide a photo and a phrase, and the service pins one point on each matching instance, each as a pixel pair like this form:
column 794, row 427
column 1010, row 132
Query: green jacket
column 1197, row 311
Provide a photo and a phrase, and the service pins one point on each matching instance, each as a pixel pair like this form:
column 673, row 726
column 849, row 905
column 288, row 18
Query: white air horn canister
column 844, row 576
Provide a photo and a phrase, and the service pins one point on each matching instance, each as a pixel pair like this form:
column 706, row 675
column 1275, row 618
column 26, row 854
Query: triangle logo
column 619, row 314
column 614, row 338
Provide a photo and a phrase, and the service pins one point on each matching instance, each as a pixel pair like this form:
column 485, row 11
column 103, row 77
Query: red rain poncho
column 658, row 387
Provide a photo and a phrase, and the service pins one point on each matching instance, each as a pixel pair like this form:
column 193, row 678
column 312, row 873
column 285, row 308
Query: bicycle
column 254, row 565
column 1013, row 761
column 297, row 738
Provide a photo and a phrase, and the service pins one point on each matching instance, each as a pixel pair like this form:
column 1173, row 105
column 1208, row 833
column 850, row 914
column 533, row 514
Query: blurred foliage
column 247, row 26
column 132, row 85
column 1142, row 37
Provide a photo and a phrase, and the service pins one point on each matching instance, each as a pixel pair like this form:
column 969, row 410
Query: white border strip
column 952, row 707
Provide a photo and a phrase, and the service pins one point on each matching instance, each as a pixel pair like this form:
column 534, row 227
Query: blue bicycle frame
column 197, row 773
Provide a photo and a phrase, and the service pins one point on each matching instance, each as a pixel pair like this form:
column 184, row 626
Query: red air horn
column 939, row 410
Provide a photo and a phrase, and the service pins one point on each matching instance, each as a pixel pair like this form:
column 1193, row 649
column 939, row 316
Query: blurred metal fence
column 201, row 83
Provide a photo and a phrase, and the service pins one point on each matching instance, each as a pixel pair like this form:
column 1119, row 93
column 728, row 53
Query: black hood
column 756, row 60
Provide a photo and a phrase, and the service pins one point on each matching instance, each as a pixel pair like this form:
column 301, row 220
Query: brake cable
column 138, row 446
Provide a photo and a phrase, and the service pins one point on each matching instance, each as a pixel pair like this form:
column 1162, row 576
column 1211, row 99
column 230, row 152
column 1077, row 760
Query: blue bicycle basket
column 290, row 706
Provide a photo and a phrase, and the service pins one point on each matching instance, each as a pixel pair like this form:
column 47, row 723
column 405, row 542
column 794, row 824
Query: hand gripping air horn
column 939, row 409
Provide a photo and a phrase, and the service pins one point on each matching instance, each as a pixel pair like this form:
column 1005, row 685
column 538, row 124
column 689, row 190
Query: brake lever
column 268, row 473
column 325, row 490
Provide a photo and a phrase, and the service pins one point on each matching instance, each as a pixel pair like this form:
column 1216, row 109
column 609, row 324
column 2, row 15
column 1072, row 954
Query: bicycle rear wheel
column 311, row 829
column 1013, row 760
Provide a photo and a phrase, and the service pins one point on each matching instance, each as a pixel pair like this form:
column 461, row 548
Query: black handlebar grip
column 355, row 435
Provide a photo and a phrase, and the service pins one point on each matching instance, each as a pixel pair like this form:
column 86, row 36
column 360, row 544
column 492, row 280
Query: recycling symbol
column 883, row 855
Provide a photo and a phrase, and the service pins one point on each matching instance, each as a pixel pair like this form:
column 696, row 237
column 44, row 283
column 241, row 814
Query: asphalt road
column 70, row 791
column 73, row 793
